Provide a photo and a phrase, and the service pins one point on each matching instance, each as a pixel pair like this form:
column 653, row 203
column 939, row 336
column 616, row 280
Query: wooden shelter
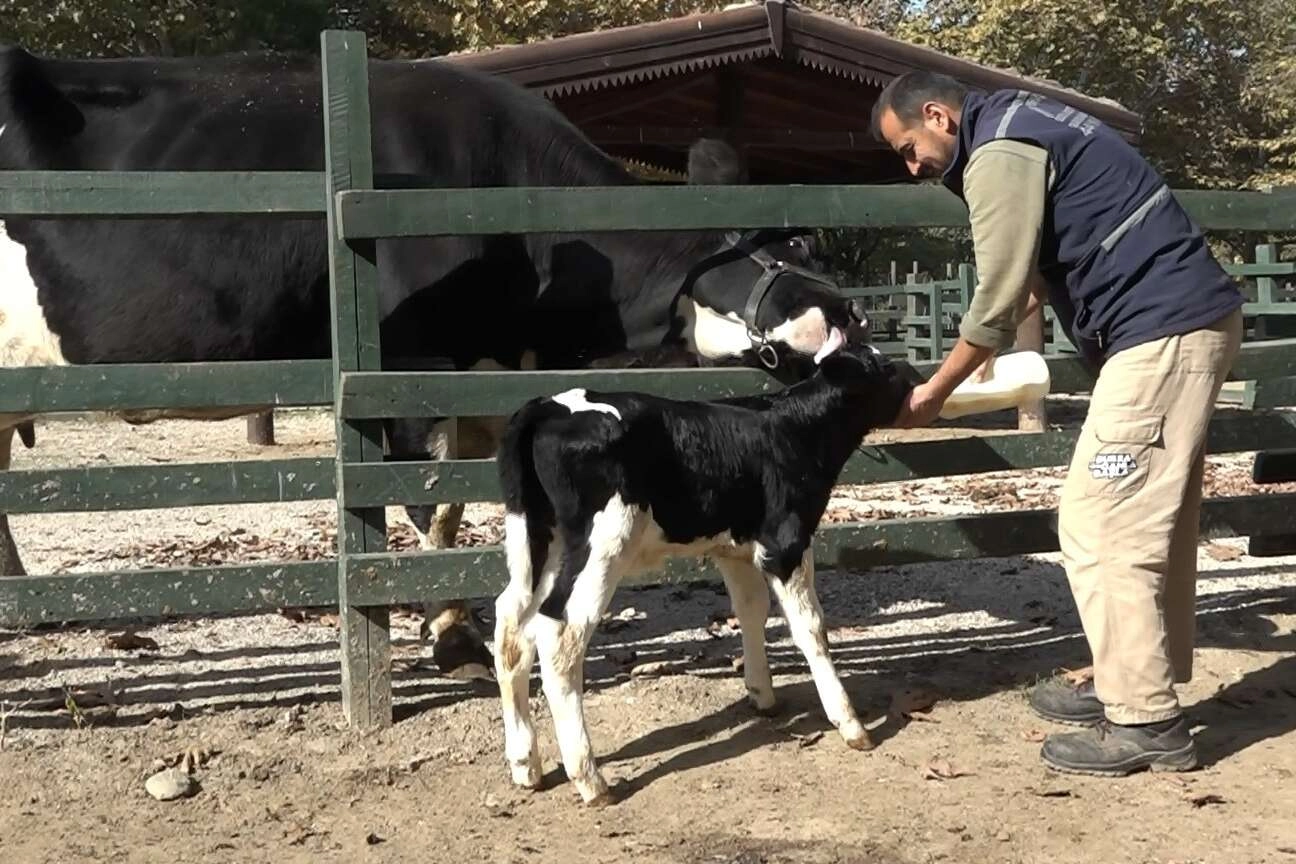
column 791, row 88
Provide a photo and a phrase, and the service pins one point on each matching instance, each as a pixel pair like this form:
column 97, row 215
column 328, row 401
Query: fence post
column 936, row 309
column 353, row 282
column 911, row 319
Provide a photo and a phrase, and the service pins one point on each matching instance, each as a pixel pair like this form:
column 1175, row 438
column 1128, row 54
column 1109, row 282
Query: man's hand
column 925, row 401
column 921, row 408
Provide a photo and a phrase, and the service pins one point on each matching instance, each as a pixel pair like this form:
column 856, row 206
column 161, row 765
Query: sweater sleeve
column 1005, row 184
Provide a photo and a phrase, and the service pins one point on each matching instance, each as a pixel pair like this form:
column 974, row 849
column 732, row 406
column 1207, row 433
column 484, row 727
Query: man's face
column 926, row 146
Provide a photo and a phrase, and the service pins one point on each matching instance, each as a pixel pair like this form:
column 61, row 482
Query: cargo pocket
column 1121, row 453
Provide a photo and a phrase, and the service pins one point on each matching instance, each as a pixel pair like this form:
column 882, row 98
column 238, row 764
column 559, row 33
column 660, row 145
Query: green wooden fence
column 364, row 579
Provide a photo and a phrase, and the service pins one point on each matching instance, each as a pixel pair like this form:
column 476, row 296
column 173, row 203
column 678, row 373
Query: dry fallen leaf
column 807, row 740
column 129, row 641
column 1220, row 552
column 941, row 769
column 912, row 700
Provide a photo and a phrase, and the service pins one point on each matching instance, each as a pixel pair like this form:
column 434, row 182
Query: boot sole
column 1070, row 719
column 1183, row 759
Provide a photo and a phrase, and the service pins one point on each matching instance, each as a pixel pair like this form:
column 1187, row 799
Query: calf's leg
column 515, row 611
column 562, row 643
column 749, row 593
column 804, row 616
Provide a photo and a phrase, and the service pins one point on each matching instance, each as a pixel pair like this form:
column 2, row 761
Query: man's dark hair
column 906, row 95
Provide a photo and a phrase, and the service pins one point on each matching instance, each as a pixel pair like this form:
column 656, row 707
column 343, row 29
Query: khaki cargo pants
column 1129, row 515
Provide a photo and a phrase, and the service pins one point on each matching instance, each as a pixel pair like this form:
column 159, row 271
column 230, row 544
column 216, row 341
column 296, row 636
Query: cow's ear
column 28, row 96
column 712, row 162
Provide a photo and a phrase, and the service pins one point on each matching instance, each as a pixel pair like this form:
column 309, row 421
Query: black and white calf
column 598, row 486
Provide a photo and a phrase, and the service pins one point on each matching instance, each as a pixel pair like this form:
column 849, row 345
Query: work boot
column 1063, row 702
column 1107, row 749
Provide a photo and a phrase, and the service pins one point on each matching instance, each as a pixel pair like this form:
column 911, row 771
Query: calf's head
column 869, row 379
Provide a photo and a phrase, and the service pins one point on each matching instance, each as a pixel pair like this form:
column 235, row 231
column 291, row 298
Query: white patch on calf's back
column 574, row 401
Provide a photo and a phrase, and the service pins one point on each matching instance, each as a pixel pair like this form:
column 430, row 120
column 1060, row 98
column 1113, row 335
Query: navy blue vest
column 1125, row 264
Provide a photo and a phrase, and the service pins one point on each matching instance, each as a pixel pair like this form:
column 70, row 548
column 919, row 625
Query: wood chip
column 941, row 769
column 1050, row 793
column 129, row 641
column 1203, row 800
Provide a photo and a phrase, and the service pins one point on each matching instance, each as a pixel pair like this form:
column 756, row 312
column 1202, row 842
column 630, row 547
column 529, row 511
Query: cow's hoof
column 460, row 653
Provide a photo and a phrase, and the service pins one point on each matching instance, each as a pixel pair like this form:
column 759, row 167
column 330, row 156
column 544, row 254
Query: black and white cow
column 249, row 288
column 600, row 486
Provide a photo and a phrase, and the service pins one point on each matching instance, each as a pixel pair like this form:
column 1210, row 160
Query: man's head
column 918, row 114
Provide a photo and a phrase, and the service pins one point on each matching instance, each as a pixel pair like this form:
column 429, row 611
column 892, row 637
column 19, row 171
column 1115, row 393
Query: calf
column 598, row 486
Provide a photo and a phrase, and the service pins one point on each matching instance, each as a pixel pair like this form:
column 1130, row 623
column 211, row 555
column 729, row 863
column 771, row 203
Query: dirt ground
column 702, row 778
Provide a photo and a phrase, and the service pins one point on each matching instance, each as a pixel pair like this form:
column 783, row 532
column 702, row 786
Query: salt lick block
column 1015, row 380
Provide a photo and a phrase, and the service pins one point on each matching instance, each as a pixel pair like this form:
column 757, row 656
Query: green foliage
column 1215, row 80
column 108, row 28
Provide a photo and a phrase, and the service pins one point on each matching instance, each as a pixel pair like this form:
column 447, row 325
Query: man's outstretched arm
column 1005, row 184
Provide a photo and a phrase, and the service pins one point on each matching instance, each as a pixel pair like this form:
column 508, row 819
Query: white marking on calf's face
column 574, row 401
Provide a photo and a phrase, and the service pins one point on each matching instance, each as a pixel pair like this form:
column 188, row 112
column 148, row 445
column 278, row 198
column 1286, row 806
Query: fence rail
column 363, row 579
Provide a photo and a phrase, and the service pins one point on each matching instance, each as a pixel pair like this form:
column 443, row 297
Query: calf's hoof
column 526, row 773
column 857, row 737
column 595, row 793
column 763, row 702
column 460, row 653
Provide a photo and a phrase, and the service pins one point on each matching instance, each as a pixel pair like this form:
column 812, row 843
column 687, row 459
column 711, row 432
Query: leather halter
column 772, row 268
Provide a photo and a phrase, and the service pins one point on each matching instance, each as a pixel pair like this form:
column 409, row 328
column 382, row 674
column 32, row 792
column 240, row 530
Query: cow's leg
column 749, row 593
column 804, row 617
column 458, row 650
column 562, row 643
column 10, row 562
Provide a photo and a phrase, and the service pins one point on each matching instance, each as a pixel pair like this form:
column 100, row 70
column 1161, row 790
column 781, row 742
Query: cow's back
column 249, row 287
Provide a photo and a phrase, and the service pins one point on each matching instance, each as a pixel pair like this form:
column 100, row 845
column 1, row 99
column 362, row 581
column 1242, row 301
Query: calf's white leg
column 562, row 646
column 749, row 593
column 804, row 616
column 515, row 610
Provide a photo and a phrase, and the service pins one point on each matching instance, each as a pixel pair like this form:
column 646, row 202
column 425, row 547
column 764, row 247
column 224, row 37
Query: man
column 1062, row 208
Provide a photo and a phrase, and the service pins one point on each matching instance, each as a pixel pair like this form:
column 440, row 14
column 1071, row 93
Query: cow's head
column 760, row 296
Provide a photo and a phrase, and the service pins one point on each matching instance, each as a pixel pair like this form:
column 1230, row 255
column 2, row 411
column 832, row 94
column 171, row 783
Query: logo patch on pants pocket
column 1112, row 466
